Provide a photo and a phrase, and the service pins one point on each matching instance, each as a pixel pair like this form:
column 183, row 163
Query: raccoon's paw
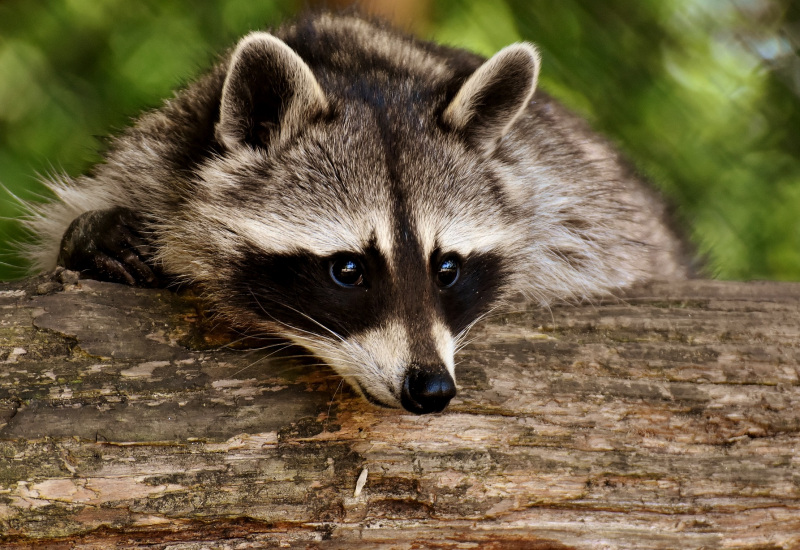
column 106, row 245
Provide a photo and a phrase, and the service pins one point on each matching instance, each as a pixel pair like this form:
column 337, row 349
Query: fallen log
column 667, row 418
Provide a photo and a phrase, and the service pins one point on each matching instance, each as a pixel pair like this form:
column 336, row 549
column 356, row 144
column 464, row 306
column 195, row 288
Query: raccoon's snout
column 427, row 389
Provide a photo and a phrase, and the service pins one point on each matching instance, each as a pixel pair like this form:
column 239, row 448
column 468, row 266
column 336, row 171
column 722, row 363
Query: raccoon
column 366, row 195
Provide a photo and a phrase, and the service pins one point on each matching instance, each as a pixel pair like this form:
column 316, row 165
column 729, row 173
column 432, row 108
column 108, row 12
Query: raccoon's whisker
column 217, row 321
column 285, row 324
column 316, row 338
column 317, row 342
column 276, row 341
column 333, row 398
column 289, row 368
column 245, row 337
column 278, row 303
column 460, row 336
column 336, row 334
column 552, row 315
column 270, row 356
column 220, row 320
column 462, row 345
column 321, row 348
column 261, row 359
column 250, row 351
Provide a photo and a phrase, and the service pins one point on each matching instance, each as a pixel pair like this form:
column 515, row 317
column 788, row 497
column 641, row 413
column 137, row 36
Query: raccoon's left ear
column 269, row 93
column 495, row 95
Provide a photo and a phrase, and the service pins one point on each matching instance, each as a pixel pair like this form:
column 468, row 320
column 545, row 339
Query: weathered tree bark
column 666, row 419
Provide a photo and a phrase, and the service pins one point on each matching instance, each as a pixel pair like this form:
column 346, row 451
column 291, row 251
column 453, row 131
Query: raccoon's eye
column 347, row 272
column 447, row 272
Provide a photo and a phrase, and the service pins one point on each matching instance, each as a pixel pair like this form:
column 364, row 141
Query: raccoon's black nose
column 427, row 389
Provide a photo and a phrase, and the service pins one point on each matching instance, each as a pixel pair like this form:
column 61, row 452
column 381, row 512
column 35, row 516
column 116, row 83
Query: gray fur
column 367, row 115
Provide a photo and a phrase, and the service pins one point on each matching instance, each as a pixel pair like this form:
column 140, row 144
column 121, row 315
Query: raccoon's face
column 386, row 318
column 373, row 239
column 377, row 261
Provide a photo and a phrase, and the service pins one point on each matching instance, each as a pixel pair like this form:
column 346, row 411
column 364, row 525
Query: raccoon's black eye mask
column 346, row 293
column 350, row 293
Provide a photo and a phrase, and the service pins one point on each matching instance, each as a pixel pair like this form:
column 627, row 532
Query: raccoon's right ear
column 494, row 96
column 268, row 95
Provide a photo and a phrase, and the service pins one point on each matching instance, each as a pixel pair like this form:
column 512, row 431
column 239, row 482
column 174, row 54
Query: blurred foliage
column 701, row 94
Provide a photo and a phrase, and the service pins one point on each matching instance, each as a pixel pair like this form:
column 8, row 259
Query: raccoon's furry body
column 366, row 195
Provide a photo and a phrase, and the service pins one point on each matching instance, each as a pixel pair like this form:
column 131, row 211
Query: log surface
column 668, row 418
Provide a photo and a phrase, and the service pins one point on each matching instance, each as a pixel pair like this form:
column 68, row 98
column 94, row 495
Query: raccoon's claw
column 106, row 268
column 106, row 245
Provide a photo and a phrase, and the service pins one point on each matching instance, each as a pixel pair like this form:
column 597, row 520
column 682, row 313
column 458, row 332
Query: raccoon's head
column 357, row 218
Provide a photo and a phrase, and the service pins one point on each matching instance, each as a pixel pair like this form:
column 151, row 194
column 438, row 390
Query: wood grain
column 668, row 418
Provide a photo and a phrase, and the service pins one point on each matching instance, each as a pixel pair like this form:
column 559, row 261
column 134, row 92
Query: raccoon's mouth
column 369, row 397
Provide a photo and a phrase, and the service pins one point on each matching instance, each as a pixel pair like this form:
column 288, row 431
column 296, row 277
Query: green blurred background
column 703, row 95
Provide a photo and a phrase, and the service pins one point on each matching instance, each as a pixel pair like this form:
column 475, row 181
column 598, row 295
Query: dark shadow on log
column 669, row 418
